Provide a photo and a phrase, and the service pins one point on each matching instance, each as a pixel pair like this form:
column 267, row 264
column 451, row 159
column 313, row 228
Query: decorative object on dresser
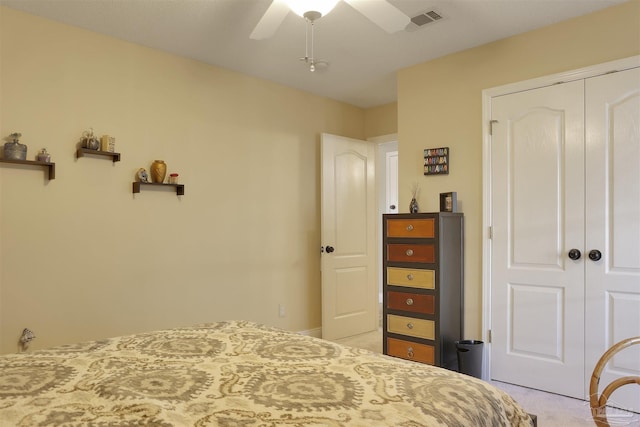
column 413, row 205
column 423, row 286
column 448, row 202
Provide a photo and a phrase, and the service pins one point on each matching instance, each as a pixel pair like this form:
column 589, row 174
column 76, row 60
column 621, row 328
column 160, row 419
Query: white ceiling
column 362, row 57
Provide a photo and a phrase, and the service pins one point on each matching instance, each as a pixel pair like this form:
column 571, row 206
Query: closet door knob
column 574, row 254
column 329, row 249
column 595, row 255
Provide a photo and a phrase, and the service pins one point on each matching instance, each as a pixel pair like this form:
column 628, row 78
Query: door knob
column 595, row 255
column 575, row 254
column 329, row 249
column 392, row 207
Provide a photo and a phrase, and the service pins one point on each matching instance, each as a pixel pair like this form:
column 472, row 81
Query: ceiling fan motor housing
column 312, row 15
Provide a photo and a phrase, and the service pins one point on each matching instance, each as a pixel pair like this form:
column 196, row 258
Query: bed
column 240, row 374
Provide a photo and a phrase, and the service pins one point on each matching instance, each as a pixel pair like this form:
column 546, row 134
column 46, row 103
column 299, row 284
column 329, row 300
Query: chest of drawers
column 423, row 286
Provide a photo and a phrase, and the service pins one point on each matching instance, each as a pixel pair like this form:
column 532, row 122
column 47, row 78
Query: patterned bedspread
column 238, row 374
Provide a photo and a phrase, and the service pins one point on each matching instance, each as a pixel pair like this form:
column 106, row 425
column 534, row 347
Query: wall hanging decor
column 436, row 161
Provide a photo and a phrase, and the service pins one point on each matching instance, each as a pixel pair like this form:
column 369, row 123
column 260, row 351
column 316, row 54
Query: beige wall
column 382, row 120
column 439, row 104
column 83, row 258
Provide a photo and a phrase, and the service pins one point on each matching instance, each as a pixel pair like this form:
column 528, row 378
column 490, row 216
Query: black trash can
column 470, row 357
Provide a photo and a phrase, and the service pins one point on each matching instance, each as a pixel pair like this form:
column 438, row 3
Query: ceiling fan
column 380, row 12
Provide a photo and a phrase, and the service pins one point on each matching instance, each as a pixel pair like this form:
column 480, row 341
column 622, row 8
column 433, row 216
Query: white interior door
column 391, row 178
column 613, row 226
column 537, row 187
column 348, row 221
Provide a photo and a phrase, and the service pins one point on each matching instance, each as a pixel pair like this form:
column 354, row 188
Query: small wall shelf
column 179, row 187
column 50, row 166
column 84, row 151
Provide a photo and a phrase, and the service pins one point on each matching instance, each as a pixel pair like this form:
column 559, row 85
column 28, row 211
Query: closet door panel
column 613, row 225
column 537, row 157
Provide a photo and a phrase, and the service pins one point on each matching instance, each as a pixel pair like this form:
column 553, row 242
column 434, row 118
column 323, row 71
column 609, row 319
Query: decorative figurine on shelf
column 13, row 150
column 173, row 178
column 158, row 171
column 89, row 140
column 108, row 144
column 413, row 206
column 43, row 156
column 142, row 176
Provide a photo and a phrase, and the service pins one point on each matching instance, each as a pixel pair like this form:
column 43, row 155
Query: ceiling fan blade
column 382, row 13
column 270, row 21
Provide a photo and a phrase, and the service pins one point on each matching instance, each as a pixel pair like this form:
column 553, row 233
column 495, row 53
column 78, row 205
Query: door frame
column 384, row 144
column 487, row 95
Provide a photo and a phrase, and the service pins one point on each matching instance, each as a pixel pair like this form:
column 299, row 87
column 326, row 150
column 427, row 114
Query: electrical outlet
column 281, row 310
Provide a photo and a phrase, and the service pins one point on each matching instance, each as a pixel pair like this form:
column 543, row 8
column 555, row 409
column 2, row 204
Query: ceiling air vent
column 424, row 19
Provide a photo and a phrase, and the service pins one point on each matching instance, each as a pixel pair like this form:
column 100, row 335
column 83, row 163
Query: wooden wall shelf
column 179, row 187
column 50, row 166
column 84, row 151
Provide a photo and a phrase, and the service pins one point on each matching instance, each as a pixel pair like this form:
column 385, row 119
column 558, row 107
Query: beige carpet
column 552, row 410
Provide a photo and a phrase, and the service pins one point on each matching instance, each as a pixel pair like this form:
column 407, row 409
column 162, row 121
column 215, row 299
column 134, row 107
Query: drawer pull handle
column 409, row 227
column 410, row 276
column 409, row 301
column 410, row 352
column 409, row 252
column 410, row 325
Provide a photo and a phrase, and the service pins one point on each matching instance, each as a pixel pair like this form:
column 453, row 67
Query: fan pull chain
column 306, row 40
column 312, row 67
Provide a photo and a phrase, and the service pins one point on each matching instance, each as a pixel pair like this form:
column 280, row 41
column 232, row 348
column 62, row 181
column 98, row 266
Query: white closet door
column 537, row 293
column 613, row 226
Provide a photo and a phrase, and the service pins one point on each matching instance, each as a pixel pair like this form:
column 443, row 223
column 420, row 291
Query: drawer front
column 423, row 279
column 419, row 328
column 411, row 351
column 424, row 227
column 415, row 303
column 411, row 253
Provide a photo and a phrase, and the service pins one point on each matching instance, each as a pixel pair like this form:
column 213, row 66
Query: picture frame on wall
column 448, row 202
column 436, row 161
